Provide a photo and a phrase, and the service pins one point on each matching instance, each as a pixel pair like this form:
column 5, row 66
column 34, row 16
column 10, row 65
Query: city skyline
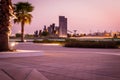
column 83, row 15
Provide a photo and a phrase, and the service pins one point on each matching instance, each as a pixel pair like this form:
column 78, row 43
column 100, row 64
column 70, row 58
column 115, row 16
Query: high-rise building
column 53, row 30
column 45, row 28
column 62, row 26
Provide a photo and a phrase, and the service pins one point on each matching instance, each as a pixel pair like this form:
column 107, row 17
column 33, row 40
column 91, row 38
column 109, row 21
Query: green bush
column 18, row 35
column 48, row 41
column 92, row 44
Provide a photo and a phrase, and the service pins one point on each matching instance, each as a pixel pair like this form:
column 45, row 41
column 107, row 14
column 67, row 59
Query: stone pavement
column 60, row 63
column 15, row 72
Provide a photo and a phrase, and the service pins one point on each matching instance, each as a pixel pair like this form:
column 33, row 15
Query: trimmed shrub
column 92, row 44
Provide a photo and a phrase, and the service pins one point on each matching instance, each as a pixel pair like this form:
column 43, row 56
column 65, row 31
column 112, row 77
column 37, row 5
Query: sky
column 85, row 16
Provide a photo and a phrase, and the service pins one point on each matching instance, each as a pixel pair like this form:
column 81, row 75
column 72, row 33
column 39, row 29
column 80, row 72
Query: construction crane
column 75, row 32
column 69, row 31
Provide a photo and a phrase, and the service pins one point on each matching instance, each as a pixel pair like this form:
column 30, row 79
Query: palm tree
column 6, row 13
column 22, row 12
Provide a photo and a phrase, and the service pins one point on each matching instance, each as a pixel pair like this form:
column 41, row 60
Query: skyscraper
column 62, row 26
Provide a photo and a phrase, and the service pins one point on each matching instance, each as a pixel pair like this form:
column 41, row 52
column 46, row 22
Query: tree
column 45, row 33
column 6, row 13
column 22, row 12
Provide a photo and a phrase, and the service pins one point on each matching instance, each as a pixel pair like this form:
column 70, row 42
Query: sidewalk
column 60, row 63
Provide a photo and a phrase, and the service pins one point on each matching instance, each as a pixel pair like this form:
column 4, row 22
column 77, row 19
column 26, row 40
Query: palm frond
column 22, row 10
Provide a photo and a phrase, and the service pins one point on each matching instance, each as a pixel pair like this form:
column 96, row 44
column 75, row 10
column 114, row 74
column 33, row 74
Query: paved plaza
column 60, row 63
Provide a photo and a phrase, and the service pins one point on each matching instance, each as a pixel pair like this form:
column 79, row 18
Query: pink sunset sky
column 83, row 15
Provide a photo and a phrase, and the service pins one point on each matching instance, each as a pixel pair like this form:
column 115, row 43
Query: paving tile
column 18, row 73
column 54, row 76
column 4, row 76
column 90, row 76
column 35, row 75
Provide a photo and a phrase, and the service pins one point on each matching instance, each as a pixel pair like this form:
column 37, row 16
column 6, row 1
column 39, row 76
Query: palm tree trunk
column 4, row 45
column 5, row 13
column 22, row 31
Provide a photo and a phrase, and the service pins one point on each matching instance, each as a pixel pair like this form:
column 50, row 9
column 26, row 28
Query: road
column 60, row 63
